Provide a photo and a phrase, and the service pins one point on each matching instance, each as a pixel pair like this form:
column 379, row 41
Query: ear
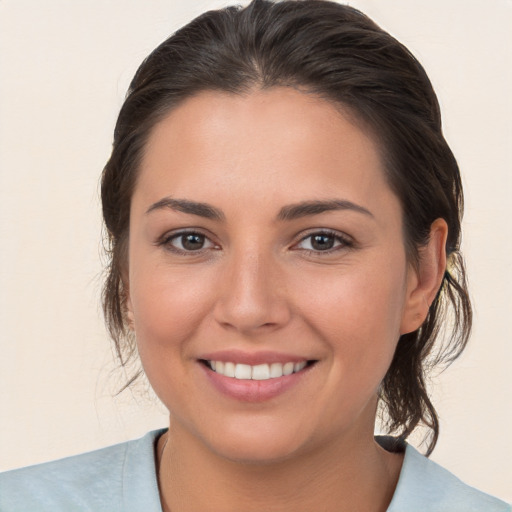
column 423, row 282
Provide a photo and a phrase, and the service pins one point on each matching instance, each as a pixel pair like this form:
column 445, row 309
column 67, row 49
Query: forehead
column 275, row 142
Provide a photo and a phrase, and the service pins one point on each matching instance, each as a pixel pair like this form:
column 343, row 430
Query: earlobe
column 424, row 281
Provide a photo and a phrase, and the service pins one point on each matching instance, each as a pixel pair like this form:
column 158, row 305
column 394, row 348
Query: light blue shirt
column 122, row 478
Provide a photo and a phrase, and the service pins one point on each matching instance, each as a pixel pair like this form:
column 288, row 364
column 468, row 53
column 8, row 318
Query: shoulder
column 424, row 485
column 104, row 479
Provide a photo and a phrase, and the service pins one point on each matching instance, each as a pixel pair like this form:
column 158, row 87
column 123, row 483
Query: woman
column 284, row 220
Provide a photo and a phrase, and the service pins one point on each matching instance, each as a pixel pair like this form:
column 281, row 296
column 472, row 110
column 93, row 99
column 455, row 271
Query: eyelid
column 345, row 241
column 168, row 236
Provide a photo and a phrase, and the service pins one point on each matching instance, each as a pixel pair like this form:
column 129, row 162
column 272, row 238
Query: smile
column 256, row 372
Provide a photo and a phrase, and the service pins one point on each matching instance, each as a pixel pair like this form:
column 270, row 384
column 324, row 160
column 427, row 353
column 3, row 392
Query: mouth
column 260, row 372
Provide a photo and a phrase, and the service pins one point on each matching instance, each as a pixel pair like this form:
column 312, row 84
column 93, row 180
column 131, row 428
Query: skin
column 258, row 284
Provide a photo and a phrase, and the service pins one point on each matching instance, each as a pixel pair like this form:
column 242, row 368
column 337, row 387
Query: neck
column 346, row 475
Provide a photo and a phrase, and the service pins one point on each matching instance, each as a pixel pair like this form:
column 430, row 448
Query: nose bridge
column 251, row 294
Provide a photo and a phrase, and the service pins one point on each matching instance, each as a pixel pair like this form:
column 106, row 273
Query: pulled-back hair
column 339, row 54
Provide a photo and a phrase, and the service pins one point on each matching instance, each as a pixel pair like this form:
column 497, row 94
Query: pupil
column 322, row 242
column 192, row 242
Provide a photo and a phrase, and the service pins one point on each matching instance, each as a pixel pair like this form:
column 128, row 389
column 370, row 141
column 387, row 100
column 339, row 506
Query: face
column 268, row 281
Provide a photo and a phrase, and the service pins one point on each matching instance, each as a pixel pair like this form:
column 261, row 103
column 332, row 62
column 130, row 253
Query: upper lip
column 253, row 358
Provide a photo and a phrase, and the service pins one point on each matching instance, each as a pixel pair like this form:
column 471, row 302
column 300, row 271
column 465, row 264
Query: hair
column 339, row 54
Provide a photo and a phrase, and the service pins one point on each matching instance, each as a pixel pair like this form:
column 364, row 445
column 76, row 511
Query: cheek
column 357, row 313
column 168, row 309
column 358, row 299
column 168, row 306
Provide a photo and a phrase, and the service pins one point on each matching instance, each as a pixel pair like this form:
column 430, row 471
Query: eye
column 324, row 241
column 188, row 242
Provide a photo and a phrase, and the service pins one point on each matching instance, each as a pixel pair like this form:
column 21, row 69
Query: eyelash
column 168, row 238
column 343, row 242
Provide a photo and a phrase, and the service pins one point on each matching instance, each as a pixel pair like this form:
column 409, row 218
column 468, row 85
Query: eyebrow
column 303, row 209
column 185, row 206
column 287, row 213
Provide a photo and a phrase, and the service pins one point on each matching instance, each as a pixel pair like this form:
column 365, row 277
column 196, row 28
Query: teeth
column 258, row 372
column 243, row 371
column 288, row 368
column 276, row 370
column 298, row 366
column 229, row 369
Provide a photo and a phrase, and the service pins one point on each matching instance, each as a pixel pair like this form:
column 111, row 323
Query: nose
column 251, row 297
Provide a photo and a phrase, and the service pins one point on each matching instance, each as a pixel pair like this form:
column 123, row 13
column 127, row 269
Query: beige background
column 64, row 69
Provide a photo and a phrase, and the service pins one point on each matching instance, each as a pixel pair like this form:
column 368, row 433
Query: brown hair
column 338, row 53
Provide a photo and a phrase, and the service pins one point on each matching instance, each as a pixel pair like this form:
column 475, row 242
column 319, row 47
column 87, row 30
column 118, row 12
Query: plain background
column 65, row 67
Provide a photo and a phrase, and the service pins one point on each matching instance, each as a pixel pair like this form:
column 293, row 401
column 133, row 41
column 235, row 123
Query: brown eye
column 324, row 242
column 192, row 241
column 188, row 242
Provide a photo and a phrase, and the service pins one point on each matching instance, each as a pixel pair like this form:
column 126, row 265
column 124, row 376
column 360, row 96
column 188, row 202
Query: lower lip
column 246, row 390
